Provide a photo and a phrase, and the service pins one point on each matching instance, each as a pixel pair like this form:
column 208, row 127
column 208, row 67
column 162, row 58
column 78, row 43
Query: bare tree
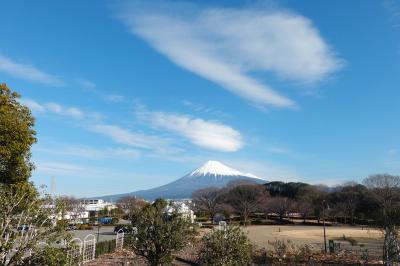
column 72, row 207
column 387, row 189
column 280, row 205
column 129, row 204
column 339, row 209
column 207, row 200
column 305, row 209
column 26, row 220
column 246, row 199
column 314, row 195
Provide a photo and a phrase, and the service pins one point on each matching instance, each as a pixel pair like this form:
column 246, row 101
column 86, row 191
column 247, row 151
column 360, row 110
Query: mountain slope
column 212, row 173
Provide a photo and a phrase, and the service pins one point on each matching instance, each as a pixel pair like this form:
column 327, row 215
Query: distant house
column 183, row 208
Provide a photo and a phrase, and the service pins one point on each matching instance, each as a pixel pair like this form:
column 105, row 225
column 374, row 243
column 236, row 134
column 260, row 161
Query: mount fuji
column 211, row 174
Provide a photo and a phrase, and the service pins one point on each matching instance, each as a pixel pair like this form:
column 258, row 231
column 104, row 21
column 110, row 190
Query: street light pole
column 98, row 231
column 323, row 214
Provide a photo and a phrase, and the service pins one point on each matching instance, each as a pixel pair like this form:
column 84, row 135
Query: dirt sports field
column 264, row 235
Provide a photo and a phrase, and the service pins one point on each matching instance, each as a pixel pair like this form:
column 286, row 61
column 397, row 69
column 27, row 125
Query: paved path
column 104, row 233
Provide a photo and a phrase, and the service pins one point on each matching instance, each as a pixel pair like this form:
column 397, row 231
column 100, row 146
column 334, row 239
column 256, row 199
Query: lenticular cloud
column 227, row 46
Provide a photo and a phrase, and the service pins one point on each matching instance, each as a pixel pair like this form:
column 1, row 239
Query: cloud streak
column 54, row 108
column 89, row 152
column 227, row 46
column 27, row 72
column 208, row 134
column 124, row 136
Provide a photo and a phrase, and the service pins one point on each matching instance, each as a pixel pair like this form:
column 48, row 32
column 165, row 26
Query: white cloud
column 27, row 72
column 34, row 106
column 114, row 98
column 87, row 84
column 207, row 134
column 203, row 109
column 227, row 45
column 69, row 174
column 52, row 107
column 74, row 112
column 89, row 152
column 134, row 139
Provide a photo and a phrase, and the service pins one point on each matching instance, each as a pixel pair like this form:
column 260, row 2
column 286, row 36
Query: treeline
column 350, row 203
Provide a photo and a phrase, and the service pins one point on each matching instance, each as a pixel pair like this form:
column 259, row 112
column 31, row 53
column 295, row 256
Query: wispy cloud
column 87, row 84
column 212, row 135
column 270, row 171
column 393, row 151
column 83, row 151
column 227, row 45
column 71, row 173
column 114, row 98
column 27, row 72
column 52, row 107
column 156, row 144
column 199, row 108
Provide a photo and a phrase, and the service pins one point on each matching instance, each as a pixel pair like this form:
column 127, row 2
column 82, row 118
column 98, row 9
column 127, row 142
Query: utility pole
column 323, row 217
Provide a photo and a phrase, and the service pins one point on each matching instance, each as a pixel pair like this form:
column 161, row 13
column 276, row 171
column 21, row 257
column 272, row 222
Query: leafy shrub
column 50, row 256
column 230, row 247
column 105, row 247
column 202, row 219
column 84, row 227
column 159, row 234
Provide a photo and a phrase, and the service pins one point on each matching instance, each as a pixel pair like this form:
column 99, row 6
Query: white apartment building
column 93, row 206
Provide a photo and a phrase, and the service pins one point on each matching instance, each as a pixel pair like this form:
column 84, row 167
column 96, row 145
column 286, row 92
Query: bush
column 50, row 256
column 230, row 247
column 114, row 220
column 202, row 219
column 159, row 234
column 84, row 227
column 105, row 247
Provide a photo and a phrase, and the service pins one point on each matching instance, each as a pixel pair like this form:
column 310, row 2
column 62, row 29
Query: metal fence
column 81, row 252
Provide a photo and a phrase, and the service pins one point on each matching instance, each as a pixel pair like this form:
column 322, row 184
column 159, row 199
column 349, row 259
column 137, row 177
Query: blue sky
column 130, row 95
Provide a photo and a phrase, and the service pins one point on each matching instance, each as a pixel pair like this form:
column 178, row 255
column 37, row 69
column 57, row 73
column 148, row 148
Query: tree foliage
column 16, row 138
column 159, row 233
column 222, row 248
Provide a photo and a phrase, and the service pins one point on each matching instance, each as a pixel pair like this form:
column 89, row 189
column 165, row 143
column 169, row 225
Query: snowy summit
column 211, row 174
column 215, row 168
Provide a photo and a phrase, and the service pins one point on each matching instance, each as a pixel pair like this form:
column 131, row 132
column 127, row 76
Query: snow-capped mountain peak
column 251, row 175
column 215, row 168
column 211, row 174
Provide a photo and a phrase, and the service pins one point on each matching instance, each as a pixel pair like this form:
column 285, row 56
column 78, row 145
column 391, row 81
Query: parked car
column 71, row 227
column 126, row 228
